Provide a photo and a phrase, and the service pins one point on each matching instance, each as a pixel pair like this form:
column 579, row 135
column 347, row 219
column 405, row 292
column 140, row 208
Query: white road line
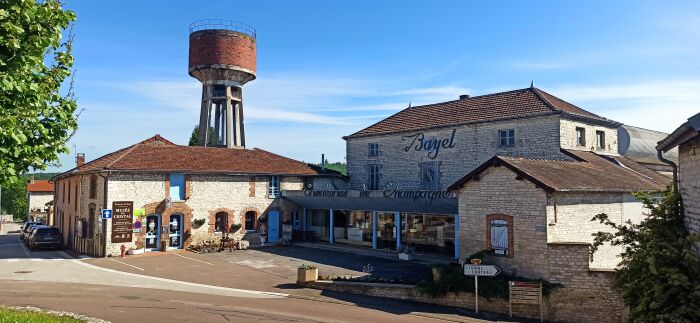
column 204, row 262
column 123, row 263
column 244, row 291
column 24, row 248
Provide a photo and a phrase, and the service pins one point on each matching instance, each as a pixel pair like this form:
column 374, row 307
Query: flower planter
column 307, row 275
column 405, row 256
column 135, row 251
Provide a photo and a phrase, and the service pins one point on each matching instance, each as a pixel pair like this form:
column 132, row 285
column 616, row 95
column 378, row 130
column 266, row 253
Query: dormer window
column 580, row 136
column 600, row 139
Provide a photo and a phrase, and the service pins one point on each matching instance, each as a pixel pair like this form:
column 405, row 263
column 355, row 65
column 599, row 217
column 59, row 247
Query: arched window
column 93, row 186
column 221, row 224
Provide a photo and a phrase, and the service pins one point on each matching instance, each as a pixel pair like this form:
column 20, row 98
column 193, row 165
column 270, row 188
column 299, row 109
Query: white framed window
column 580, row 136
column 600, row 139
column 506, row 137
column 374, row 177
column 373, row 149
column 273, row 187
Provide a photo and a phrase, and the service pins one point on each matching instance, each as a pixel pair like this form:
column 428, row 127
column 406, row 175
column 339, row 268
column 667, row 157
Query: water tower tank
column 222, row 57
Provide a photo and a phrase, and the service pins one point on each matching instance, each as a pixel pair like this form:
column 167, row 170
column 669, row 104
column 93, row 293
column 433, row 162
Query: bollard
column 123, row 248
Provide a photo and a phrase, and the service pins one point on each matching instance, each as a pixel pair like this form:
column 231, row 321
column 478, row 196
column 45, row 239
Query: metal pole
column 476, row 293
column 332, row 233
column 456, row 244
column 374, row 229
column 303, row 223
column 397, row 220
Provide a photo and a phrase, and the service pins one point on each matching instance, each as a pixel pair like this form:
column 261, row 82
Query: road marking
column 123, row 263
column 12, row 260
column 24, row 248
column 204, row 262
column 172, row 281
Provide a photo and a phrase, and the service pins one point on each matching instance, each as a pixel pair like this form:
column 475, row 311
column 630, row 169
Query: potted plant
column 406, row 253
column 307, row 273
column 137, row 249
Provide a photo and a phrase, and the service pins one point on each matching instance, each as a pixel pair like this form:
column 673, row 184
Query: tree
column 194, row 138
column 36, row 120
column 14, row 199
column 660, row 274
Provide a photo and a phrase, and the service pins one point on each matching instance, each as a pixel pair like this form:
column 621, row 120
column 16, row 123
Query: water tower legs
column 204, row 116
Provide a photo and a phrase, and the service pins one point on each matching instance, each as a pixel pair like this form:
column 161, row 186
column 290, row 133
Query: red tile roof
column 160, row 155
column 39, row 185
column 497, row 106
column 588, row 172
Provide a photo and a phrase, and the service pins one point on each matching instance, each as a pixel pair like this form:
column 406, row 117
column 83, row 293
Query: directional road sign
column 481, row 270
column 106, row 213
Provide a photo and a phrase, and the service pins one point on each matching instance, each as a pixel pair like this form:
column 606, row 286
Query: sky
column 326, row 69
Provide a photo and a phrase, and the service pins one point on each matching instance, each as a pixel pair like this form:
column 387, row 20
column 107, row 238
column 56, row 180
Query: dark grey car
column 43, row 236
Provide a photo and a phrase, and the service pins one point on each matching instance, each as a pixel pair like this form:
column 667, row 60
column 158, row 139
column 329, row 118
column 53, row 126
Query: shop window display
column 431, row 233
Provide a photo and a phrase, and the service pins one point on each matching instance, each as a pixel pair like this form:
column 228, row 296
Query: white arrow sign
column 481, row 270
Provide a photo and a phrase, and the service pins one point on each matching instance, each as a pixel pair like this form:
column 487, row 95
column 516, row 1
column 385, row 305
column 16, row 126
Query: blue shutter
column 177, row 186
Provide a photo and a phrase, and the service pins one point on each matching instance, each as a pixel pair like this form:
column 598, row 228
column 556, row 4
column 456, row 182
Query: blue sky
column 329, row 68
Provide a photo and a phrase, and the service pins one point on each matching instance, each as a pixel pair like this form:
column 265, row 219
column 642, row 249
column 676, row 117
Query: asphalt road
column 114, row 291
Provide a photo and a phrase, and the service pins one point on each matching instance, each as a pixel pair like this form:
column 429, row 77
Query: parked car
column 26, row 227
column 43, row 236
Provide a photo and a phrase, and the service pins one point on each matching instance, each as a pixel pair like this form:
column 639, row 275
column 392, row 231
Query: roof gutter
column 660, row 155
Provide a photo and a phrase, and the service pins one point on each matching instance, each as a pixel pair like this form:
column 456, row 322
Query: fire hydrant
column 123, row 249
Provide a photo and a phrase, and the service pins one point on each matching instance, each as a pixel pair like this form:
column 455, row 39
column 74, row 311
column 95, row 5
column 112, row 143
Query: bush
column 453, row 280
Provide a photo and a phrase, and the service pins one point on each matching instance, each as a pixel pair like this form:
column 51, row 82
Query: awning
column 439, row 202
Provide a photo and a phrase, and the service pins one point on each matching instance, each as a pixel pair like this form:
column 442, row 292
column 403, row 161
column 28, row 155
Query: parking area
column 269, row 269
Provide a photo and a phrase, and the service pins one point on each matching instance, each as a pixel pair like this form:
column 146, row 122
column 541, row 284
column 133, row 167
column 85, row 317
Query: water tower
column 222, row 57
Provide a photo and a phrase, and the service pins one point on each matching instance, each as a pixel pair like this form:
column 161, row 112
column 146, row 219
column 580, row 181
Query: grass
column 20, row 316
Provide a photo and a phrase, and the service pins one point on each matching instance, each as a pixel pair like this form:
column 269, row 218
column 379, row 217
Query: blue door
column 273, row 226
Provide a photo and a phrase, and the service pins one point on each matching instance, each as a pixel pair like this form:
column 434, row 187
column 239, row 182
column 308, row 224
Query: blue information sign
column 106, row 213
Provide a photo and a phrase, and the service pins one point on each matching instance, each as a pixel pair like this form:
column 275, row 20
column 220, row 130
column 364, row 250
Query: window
column 273, row 187
column 580, row 136
column 221, row 223
column 93, row 186
column 177, row 186
column 506, row 137
column 249, row 221
column 374, row 177
column 499, row 234
column 373, row 149
column 600, row 139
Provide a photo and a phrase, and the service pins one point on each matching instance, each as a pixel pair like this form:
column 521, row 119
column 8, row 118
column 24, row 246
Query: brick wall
column 536, row 137
column 568, row 136
column 498, row 192
column 689, row 178
column 222, row 47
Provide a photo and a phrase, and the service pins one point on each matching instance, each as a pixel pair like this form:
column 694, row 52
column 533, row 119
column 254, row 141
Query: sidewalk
column 423, row 259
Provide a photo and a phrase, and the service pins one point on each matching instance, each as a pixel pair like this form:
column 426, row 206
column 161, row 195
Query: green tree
column 36, row 120
column 14, row 199
column 660, row 274
column 194, row 138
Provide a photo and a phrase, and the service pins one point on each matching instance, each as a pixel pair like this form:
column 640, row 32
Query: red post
column 123, row 248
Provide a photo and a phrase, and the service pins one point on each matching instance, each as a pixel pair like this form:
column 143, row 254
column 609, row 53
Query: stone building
column 430, row 147
column 533, row 219
column 687, row 139
column 158, row 192
column 39, row 192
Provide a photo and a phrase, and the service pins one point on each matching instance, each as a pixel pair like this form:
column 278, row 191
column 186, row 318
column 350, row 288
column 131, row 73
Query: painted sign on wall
column 122, row 221
column 431, row 145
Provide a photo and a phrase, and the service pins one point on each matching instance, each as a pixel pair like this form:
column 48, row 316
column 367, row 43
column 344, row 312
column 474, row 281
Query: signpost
column 106, row 214
column 122, row 221
column 477, row 270
column 525, row 293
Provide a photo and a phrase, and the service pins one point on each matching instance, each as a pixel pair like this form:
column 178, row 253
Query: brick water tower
column 222, row 57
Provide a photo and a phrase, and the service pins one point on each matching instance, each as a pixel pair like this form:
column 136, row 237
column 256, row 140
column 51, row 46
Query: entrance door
column 175, row 235
column 273, row 226
column 153, row 232
column 250, row 221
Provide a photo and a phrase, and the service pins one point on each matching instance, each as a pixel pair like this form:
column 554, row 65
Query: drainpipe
column 660, row 155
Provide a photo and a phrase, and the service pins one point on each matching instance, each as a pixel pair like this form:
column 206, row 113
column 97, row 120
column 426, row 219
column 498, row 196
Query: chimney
column 79, row 159
column 464, row 96
column 323, row 161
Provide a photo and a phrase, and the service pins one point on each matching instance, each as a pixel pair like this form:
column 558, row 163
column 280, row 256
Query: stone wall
column 498, row 192
column 689, row 179
column 207, row 194
column 536, row 137
column 569, row 217
column 568, row 136
column 587, row 296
